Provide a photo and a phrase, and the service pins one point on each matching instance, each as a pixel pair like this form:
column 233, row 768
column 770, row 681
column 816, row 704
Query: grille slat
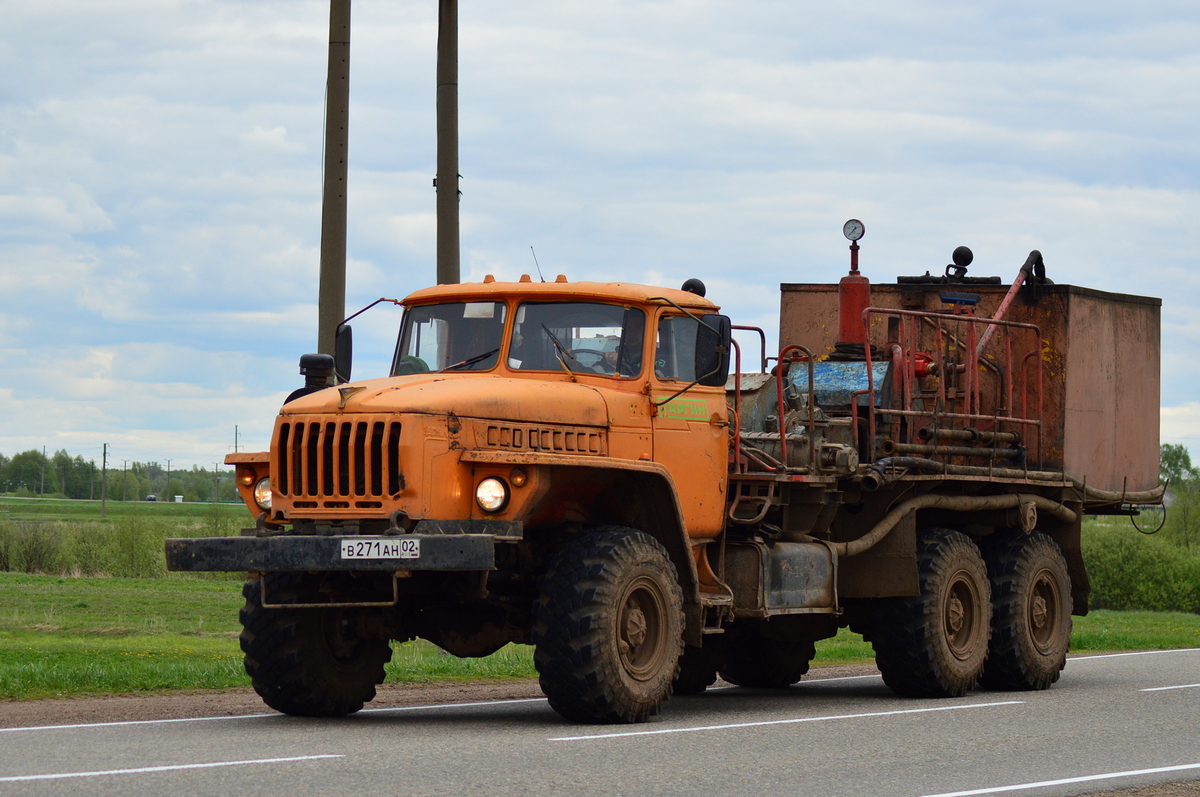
column 335, row 462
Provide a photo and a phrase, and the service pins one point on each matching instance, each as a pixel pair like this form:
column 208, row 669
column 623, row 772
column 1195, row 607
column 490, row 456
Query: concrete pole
column 104, row 483
column 332, row 305
column 447, row 143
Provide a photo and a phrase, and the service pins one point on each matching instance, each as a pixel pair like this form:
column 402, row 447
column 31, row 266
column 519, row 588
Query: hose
column 957, row 503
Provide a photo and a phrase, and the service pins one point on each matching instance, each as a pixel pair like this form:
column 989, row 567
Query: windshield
column 587, row 338
column 456, row 336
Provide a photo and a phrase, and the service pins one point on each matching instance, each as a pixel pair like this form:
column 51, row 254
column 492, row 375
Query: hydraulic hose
column 957, row 503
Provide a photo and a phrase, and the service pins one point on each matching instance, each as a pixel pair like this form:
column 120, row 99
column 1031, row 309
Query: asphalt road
column 1111, row 722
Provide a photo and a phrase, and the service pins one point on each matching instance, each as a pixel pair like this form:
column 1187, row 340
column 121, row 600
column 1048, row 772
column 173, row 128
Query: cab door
column 691, row 430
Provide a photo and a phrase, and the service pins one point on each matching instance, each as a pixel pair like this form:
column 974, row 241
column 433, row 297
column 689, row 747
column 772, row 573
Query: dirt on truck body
column 597, row 470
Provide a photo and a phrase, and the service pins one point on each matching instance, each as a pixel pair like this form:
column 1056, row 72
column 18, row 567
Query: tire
column 698, row 668
column 936, row 644
column 761, row 663
column 298, row 660
column 608, row 627
column 1031, row 624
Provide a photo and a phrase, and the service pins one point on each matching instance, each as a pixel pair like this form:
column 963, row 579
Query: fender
column 598, row 489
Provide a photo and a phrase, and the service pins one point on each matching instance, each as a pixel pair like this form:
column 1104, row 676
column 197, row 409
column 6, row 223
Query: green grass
column 67, row 509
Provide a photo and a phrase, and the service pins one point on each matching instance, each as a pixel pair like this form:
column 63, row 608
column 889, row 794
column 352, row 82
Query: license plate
column 399, row 548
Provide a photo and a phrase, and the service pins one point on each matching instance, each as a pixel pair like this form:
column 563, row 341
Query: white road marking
column 455, row 705
column 174, row 768
column 1165, row 688
column 133, row 722
column 251, row 716
column 1136, row 653
column 1063, row 781
column 793, row 721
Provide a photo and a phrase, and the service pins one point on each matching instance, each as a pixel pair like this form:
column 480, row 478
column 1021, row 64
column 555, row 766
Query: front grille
column 545, row 439
column 338, row 464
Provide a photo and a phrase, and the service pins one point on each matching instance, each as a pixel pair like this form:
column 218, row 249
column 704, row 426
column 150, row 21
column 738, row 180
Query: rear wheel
column 698, row 667
column 759, row 662
column 608, row 627
column 935, row 644
column 306, row 661
column 1031, row 626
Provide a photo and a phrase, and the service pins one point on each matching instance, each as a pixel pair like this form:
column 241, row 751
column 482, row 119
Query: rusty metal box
column 1099, row 362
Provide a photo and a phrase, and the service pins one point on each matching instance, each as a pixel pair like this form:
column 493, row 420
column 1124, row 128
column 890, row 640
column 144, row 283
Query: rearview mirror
column 343, row 352
column 714, row 336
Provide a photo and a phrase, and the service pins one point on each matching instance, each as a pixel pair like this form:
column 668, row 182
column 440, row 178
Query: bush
column 1131, row 571
column 127, row 547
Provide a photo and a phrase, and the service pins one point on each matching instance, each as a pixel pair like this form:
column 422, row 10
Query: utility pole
column 170, row 497
column 92, row 482
column 235, row 436
column 43, row 471
column 124, row 477
column 446, row 181
column 331, row 308
column 104, row 482
column 216, row 482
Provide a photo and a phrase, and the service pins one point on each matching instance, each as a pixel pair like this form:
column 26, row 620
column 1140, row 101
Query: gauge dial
column 853, row 229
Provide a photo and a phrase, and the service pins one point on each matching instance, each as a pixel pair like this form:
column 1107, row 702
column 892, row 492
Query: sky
column 160, row 176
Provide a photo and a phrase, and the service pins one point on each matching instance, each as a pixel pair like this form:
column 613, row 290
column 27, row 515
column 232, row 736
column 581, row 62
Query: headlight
column 262, row 493
column 492, row 495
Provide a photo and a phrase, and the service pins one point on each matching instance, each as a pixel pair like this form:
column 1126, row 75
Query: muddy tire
column 698, row 668
column 761, row 663
column 608, row 627
column 299, row 660
column 935, row 644
column 1031, row 622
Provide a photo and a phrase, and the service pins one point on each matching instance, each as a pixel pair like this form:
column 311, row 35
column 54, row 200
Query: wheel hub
column 634, row 633
column 640, row 629
column 1044, row 613
column 955, row 615
column 960, row 614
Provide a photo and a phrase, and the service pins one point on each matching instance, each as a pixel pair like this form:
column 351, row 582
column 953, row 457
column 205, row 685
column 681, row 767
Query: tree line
column 31, row 473
column 1183, row 496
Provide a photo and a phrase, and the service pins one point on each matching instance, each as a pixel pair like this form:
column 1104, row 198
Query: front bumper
column 304, row 552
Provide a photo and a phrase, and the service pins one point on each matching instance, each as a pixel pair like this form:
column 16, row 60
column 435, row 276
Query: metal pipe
column 890, row 448
column 958, row 503
column 875, row 477
column 972, row 436
column 447, row 144
column 1008, row 299
column 331, row 303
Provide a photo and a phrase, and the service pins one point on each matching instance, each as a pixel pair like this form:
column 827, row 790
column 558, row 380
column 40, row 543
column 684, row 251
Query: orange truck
column 600, row 471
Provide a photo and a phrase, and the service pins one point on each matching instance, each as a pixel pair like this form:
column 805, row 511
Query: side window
column 675, row 348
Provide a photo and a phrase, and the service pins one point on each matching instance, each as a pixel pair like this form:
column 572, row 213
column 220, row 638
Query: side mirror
column 343, row 352
column 714, row 341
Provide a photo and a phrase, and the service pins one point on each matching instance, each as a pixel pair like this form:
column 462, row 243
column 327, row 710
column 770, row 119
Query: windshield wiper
column 472, row 360
column 563, row 351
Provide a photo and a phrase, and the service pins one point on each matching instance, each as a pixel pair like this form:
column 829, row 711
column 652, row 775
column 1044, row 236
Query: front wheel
column 1031, row 627
column 608, row 627
column 306, row 661
column 935, row 644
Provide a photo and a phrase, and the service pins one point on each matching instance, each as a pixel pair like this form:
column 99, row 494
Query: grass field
column 65, row 509
column 76, row 636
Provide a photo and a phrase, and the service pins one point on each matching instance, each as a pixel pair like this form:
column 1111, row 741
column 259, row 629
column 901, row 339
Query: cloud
column 160, row 174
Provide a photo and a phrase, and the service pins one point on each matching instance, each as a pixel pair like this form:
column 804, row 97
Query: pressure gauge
column 853, row 229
